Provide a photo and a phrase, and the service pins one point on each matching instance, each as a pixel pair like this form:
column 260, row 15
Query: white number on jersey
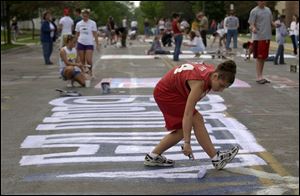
column 183, row 68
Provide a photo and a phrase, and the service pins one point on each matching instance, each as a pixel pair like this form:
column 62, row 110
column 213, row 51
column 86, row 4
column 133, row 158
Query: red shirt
column 172, row 91
column 174, row 84
column 175, row 27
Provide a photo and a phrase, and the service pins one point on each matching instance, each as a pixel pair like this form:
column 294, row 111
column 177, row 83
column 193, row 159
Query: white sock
column 215, row 158
column 153, row 155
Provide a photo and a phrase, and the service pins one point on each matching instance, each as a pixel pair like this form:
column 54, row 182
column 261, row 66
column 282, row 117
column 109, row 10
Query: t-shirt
column 175, row 27
column 71, row 56
column 232, row 23
column 203, row 24
column 86, row 31
column 281, row 32
column 262, row 19
column 293, row 28
column 173, row 86
column 52, row 28
column 67, row 24
column 134, row 23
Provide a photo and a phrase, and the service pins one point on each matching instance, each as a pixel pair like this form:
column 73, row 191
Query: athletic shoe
column 225, row 157
column 69, row 84
column 159, row 160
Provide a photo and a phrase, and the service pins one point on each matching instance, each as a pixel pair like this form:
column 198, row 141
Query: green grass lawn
column 10, row 46
column 287, row 38
column 25, row 37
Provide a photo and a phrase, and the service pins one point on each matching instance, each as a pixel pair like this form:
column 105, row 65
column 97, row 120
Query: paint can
column 105, row 87
column 87, row 83
column 294, row 68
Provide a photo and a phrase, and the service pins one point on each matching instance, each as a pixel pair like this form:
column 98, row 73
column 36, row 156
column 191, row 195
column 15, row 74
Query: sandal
column 262, row 81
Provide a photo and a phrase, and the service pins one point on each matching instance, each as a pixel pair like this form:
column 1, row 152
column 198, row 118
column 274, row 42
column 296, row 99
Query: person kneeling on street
column 156, row 47
column 71, row 69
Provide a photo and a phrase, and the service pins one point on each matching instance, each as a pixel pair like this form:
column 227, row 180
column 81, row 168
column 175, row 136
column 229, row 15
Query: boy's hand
column 187, row 151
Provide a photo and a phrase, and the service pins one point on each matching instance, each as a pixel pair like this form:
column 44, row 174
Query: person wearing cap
column 66, row 24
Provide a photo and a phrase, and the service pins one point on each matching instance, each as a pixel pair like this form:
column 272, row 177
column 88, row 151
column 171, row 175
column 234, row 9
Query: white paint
column 130, row 83
column 127, row 56
column 285, row 56
column 177, row 172
column 135, row 111
column 116, row 100
column 68, row 119
column 229, row 123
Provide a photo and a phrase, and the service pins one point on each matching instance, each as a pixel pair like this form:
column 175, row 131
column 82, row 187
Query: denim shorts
column 75, row 72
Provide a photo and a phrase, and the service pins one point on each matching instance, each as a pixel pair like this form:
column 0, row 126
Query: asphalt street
column 96, row 143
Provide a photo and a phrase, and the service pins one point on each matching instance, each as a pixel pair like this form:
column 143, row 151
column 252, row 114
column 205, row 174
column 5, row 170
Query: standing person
column 294, row 33
column 203, row 26
column 177, row 36
column 213, row 26
column 176, row 95
column 86, row 34
column 15, row 28
column 281, row 33
column 232, row 25
column 147, row 31
column 111, row 30
column 66, row 24
column 47, row 36
column 77, row 18
column 166, row 39
column 261, row 21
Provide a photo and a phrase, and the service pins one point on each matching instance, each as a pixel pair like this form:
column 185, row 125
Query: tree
column 28, row 10
column 101, row 10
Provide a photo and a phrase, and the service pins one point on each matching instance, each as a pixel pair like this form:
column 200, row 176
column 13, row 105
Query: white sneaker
column 159, row 160
column 225, row 157
column 69, row 84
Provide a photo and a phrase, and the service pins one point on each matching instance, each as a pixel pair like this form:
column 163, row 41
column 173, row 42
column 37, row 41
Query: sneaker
column 160, row 160
column 69, row 84
column 225, row 157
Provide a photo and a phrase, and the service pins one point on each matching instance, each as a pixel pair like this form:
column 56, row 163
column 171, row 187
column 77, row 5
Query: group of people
column 78, row 40
column 113, row 32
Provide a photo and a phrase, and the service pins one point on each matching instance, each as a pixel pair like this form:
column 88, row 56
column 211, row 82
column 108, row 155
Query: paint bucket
column 294, row 68
column 105, row 87
column 87, row 83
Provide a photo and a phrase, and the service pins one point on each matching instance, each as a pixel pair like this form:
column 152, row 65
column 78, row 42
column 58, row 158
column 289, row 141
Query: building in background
column 287, row 8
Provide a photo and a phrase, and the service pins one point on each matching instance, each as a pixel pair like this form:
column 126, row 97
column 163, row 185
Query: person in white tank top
column 70, row 67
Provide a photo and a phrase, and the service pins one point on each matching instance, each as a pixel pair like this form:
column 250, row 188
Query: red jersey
column 172, row 91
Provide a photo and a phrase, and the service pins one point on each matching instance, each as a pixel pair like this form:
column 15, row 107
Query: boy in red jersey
column 177, row 94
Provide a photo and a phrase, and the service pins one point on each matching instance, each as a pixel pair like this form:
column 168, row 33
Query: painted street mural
column 121, row 129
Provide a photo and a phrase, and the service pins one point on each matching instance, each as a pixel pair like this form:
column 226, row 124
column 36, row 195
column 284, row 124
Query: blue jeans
column 231, row 33
column 47, row 51
column 295, row 43
column 178, row 42
column 280, row 55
